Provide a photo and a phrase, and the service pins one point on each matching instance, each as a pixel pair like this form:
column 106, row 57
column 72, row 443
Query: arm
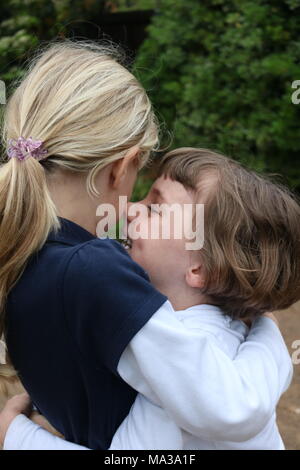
column 17, row 432
column 217, row 414
column 143, row 342
column 215, row 396
column 24, row 434
column 135, row 432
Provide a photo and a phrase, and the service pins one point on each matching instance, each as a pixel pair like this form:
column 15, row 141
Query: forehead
column 168, row 191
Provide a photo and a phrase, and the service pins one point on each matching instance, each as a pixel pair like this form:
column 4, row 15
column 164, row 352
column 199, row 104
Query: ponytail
column 27, row 215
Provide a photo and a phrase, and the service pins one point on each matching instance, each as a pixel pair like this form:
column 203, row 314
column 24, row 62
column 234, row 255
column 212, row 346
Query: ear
column 120, row 167
column 194, row 276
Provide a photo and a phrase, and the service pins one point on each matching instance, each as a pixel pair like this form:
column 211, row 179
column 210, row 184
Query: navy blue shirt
column 71, row 314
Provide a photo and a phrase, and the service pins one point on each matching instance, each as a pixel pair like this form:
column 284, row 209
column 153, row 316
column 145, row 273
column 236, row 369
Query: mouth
column 127, row 243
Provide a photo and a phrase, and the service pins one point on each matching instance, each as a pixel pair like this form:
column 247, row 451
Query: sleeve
column 107, row 299
column 147, row 427
column 134, row 433
column 202, row 390
column 23, row 434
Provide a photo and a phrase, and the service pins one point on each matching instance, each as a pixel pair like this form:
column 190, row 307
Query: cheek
column 173, row 259
column 148, row 254
column 157, row 256
column 128, row 184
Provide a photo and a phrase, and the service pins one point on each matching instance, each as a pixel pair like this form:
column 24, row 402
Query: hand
column 19, row 404
column 42, row 421
column 249, row 322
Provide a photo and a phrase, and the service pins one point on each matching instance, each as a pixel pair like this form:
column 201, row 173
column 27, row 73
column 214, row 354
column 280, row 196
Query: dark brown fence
column 127, row 28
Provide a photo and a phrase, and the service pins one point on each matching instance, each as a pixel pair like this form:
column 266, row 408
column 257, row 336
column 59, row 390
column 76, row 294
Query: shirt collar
column 212, row 313
column 205, row 310
column 70, row 233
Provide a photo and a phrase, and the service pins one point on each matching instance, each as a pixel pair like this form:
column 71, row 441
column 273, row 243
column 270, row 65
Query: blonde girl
column 79, row 316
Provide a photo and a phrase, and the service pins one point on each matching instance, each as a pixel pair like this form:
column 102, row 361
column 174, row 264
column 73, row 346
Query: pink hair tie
column 23, row 148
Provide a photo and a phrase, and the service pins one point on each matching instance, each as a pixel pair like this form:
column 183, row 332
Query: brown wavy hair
column 251, row 252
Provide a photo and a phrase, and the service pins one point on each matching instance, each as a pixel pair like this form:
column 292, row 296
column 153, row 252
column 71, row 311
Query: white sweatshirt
column 202, row 386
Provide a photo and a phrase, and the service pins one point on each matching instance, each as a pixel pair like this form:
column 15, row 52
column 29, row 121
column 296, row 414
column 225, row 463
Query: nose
column 130, row 209
column 130, row 217
column 135, row 209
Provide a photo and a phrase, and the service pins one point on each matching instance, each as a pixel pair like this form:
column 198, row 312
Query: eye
column 152, row 209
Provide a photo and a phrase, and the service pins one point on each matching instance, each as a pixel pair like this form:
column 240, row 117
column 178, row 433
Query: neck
column 184, row 297
column 69, row 194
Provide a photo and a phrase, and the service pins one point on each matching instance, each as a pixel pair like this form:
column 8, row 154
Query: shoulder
column 101, row 272
column 107, row 299
column 102, row 256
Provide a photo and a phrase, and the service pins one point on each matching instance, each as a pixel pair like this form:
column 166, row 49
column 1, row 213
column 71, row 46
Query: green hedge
column 25, row 23
column 220, row 72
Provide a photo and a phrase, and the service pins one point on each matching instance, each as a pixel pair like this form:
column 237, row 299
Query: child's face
column 166, row 260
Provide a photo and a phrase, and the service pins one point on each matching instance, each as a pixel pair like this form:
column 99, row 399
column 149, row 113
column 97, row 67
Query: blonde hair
column 88, row 110
column 251, row 252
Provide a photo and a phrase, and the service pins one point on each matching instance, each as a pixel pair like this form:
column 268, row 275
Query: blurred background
column 220, row 73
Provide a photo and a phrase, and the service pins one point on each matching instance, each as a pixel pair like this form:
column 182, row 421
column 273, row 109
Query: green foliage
column 142, row 186
column 129, row 5
column 218, row 71
column 220, row 74
column 24, row 23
